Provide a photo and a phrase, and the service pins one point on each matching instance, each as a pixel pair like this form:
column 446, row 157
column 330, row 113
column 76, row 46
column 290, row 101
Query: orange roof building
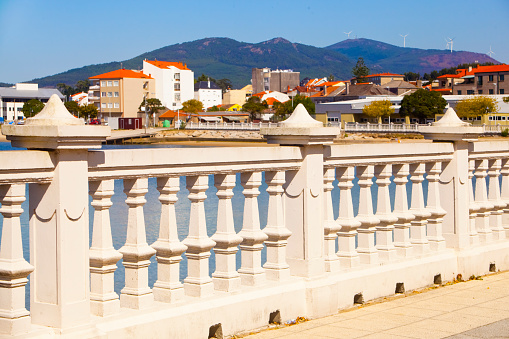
column 119, row 93
column 174, row 82
column 381, row 79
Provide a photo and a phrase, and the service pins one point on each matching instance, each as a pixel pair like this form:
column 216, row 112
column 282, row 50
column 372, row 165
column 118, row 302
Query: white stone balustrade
column 14, row 270
column 136, row 252
column 301, row 275
column 225, row 278
column 251, row 271
column 169, row 249
column 103, row 257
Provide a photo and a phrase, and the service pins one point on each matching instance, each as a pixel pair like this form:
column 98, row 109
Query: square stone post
column 59, row 223
column 304, row 193
column 454, row 186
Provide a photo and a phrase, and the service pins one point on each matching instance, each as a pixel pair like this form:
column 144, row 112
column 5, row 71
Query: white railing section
column 401, row 128
column 242, row 126
column 387, row 233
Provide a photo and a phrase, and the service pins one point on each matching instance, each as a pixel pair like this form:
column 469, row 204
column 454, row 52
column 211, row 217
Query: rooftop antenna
column 490, row 52
column 450, row 42
column 348, row 34
column 404, row 40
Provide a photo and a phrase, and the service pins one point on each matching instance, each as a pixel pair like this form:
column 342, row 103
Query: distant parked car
column 95, row 122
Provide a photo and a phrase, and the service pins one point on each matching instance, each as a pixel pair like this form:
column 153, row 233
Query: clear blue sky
column 44, row 37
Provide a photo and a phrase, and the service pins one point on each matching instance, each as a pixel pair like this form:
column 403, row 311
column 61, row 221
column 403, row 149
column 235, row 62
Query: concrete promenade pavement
column 471, row 309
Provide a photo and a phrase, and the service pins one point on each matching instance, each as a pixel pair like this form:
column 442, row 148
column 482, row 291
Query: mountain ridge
column 221, row 57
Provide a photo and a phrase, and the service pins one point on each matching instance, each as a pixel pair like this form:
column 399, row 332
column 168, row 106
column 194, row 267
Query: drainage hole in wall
column 275, row 317
column 358, row 299
column 216, row 331
column 437, row 279
column 493, row 267
column 400, row 288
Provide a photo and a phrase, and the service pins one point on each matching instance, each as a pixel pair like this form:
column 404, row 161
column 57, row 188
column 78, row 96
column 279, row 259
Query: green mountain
column 231, row 59
column 382, row 57
column 3, row 84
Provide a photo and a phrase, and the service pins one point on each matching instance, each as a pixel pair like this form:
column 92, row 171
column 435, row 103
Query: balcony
column 94, row 88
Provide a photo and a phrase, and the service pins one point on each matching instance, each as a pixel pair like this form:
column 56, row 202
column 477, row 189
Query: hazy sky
column 45, row 37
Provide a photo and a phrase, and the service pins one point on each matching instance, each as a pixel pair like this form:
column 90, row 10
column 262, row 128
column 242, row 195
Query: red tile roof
column 270, row 101
column 120, row 74
column 489, row 69
column 166, row 64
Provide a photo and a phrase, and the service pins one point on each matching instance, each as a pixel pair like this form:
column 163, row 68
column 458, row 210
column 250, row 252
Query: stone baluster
column 348, row 256
column 473, row 208
column 384, row 238
column 504, row 194
column 402, row 226
column 418, row 236
column 103, row 257
column 136, row 252
column 276, row 266
column 198, row 282
column 14, row 270
column 482, row 221
column 366, row 237
column 169, row 249
column 331, row 227
column 251, row 271
column 225, row 278
column 495, row 199
column 435, row 237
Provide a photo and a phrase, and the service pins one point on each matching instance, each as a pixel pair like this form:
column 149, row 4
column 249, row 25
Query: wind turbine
column 450, row 42
column 490, row 52
column 348, row 34
column 404, row 39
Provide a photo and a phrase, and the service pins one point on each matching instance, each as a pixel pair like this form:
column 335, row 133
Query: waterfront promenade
column 463, row 310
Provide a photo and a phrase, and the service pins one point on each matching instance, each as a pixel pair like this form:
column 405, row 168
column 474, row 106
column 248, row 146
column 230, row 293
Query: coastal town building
column 381, row 79
column 351, row 111
column 13, row 98
column 237, row 96
column 174, row 82
column 80, row 98
column 266, row 95
column 208, row 93
column 265, row 79
column 482, row 80
column 119, row 94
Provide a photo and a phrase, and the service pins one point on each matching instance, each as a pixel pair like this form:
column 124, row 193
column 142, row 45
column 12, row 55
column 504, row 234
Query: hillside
column 380, row 56
column 228, row 58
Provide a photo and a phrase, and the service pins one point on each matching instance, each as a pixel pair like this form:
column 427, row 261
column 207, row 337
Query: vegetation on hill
column 4, row 84
column 224, row 58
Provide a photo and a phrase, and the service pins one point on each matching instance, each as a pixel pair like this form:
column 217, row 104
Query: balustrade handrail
column 25, row 166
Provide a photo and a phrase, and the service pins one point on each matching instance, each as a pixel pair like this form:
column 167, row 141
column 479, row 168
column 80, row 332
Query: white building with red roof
column 174, row 82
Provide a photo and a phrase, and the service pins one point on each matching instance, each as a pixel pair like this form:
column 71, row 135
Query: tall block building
column 174, row 82
column 265, row 79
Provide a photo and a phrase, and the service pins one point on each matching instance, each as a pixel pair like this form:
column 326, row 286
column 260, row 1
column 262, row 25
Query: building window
column 110, row 105
column 479, row 91
column 459, row 92
column 103, row 94
column 176, row 86
column 479, row 80
column 110, row 83
column 490, row 91
column 501, row 77
column 116, row 94
column 103, row 105
column 470, row 92
column 501, row 91
column 115, row 83
column 103, row 83
column 177, row 96
column 490, row 78
column 177, row 76
column 116, row 105
column 110, row 94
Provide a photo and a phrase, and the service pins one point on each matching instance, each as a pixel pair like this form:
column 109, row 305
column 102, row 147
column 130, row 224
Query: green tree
column 285, row 109
column 360, row 70
column 153, row 105
column 32, row 107
column 72, row 107
column 506, row 100
column 89, row 111
column 423, row 104
column 475, row 106
column 224, row 84
column 254, row 107
column 215, row 109
column 411, row 76
column 378, row 109
column 192, row 106
column 330, row 77
column 66, row 89
column 82, row 86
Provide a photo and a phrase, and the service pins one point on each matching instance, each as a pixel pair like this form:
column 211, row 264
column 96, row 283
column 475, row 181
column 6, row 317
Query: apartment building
column 208, row 93
column 13, row 98
column 118, row 94
column 174, row 82
column 482, row 80
column 381, row 79
column 238, row 96
column 280, row 80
